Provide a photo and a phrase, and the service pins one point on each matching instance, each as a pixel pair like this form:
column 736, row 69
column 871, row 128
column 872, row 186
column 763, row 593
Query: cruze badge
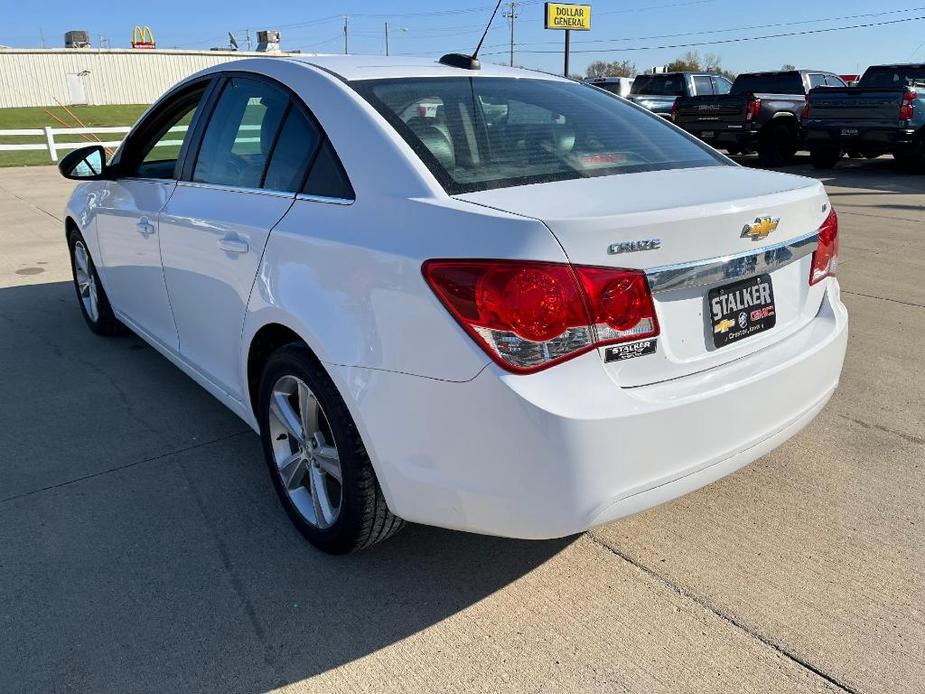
column 634, row 246
column 761, row 229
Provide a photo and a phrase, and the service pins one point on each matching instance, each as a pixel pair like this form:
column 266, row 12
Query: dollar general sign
column 571, row 17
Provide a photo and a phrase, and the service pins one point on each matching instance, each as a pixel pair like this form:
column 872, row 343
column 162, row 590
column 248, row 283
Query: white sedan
column 491, row 300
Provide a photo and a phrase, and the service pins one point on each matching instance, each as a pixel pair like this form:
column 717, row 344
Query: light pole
column 387, row 35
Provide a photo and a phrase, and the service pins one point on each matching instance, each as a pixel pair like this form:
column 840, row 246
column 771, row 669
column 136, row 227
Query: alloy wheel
column 86, row 281
column 306, row 456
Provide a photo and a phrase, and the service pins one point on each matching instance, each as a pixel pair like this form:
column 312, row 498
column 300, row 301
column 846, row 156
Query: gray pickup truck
column 659, row 92
column 761, row 113
column 884, row 113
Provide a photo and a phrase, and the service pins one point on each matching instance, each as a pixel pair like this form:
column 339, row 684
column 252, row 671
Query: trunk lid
column 697, row 215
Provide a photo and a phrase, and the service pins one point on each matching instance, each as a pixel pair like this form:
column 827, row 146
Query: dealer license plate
column 741, row 309
column 849, row 132
column 708, row 134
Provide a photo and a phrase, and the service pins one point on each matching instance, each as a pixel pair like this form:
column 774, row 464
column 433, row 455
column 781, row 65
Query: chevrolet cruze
column 491, row 300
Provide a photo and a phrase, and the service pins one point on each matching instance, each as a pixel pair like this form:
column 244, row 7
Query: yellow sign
column 142, row 37
column 563, row 16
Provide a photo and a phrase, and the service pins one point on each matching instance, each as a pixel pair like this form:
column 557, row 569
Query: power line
column 807, row 32
column 723, row 31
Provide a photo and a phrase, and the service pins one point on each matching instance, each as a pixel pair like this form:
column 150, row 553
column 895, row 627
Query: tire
column 91, row 297
column 336, row 516
column 778, row 145
column 824, row 157
column 912, row 159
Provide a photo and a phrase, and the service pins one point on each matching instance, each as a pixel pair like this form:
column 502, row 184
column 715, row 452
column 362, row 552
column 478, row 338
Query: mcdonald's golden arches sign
column 142, row 37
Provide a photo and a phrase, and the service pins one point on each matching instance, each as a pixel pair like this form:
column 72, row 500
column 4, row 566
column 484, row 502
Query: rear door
column 251, row 161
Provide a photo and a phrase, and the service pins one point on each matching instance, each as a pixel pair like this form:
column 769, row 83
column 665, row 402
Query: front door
column 213, row 229
column 127, row 211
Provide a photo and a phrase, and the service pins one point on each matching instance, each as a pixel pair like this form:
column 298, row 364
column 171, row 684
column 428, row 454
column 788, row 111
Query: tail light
column 825, row 257
column 530, row 315
column 804, row 116
column 674, row 111
column 752, row 109
column 908, row 105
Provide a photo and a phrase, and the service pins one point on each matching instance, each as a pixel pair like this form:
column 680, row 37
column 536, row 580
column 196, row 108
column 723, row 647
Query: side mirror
column 85, row 164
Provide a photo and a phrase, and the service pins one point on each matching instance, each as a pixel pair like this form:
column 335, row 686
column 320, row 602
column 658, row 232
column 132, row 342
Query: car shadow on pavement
column 143, row 547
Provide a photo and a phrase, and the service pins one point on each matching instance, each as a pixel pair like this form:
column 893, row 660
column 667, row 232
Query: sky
column 646, row 33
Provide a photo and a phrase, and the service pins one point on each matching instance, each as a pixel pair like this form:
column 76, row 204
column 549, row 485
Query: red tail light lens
column 804, row 116
column 674, row 111
column 907, row 109
column 825, row 257
column 530, row 315
column 751, row 111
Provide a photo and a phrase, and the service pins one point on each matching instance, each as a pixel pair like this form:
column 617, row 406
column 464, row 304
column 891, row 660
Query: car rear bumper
column 866, row 137
column 721, row 136
column 558, row 452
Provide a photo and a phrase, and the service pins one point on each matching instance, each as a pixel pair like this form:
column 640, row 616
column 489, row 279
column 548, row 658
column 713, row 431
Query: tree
column 693, row 62
column 601, row 68
column 788, row 67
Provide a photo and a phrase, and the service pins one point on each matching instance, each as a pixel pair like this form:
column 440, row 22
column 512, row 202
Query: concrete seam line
column 728, row 618
column 160, row 456
column 36, row 208
column 879, row 427
column 883, row 298
column 842, row 211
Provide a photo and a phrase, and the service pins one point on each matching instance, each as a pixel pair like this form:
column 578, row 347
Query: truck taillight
column 530, row 315
column 908, row 105
column 752, row 109
column 804, row 116
column 674, row 111
column 825, row 257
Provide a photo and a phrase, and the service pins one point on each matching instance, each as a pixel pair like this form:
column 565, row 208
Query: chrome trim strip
column 731, row 267
column 324, row 199
column 236, row 189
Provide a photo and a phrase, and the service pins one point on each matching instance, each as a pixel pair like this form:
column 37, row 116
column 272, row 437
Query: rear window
column 485, row 132
column 781, row 83
column 903, row 76
column 659, row 85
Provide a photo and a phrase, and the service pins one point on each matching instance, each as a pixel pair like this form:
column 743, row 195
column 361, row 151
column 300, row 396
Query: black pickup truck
column 761, row 113
column 884, row 113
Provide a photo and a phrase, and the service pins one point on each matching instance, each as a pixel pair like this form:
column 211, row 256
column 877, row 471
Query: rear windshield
column 902, row 76
column 659, row 85
column 782, row 83
column 478, row 133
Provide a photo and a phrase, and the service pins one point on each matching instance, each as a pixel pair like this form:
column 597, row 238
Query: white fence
column 51, row 145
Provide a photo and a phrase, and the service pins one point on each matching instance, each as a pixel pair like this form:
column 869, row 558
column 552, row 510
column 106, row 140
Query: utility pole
column 511, row 14
column 42, row 34
column 346, row 23
column 386, row 38
column 247, row 38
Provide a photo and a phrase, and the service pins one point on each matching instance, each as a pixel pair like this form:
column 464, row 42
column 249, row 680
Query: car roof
column 352, row 68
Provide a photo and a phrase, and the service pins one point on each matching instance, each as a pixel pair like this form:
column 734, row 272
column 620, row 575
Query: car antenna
column 470, row 62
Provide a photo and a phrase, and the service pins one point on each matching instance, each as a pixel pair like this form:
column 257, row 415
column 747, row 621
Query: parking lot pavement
column 141, row 546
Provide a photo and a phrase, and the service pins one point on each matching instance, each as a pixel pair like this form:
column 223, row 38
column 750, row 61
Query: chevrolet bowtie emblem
column 761, row 229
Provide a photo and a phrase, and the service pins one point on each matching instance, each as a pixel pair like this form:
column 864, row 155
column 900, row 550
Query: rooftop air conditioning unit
column 77, row 39
column 268, row 41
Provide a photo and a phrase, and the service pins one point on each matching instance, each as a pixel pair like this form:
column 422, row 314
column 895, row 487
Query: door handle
column 233, row 244
column 145, row 227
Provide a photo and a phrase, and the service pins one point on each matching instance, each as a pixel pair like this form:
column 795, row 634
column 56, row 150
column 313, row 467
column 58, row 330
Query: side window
column 721, row 85
column 153, row 150
column 703, row 85
column 834, row 81
column 816, row 80
column 294, row 150
column 327, row 177
column 241, row 133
